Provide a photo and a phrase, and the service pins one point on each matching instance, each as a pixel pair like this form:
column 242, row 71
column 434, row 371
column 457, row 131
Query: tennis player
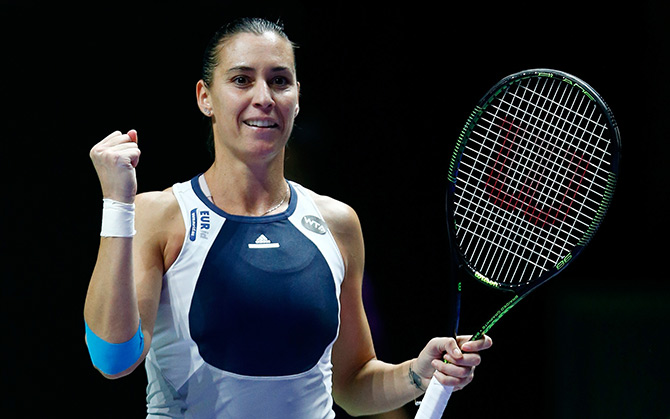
column 240, row 290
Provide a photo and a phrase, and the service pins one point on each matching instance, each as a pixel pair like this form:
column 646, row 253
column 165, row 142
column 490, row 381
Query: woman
column 241, row 290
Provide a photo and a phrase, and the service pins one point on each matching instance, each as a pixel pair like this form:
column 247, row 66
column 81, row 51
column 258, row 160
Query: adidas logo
column 263, row 242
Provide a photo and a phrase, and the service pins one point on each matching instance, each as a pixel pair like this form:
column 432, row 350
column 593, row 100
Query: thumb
column 133, row 135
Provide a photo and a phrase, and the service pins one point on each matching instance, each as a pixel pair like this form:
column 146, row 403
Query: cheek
column 229, row 98
column 289, row 108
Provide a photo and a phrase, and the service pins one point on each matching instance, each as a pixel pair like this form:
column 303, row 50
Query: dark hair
column 253, row 25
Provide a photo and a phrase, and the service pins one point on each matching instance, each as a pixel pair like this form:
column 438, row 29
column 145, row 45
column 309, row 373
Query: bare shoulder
column 157, row 211
column 340, row 217
column 343, row 223
column 157, row 201
column 159, row 224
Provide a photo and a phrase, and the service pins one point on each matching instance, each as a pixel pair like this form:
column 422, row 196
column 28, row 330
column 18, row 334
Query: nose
column 263, row 96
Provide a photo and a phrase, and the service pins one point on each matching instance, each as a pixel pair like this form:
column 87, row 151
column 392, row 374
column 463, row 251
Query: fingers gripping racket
column 530, row 180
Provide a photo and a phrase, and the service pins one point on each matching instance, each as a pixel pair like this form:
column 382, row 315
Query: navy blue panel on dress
column 265, row 302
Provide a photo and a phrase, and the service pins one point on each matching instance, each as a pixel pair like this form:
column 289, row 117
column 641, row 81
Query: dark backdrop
column 385, row 91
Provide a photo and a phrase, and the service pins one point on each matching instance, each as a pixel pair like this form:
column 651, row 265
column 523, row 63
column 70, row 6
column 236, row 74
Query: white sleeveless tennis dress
column 248, row 314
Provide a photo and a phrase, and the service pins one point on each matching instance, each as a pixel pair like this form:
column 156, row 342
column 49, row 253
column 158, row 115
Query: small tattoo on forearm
column 416, row 379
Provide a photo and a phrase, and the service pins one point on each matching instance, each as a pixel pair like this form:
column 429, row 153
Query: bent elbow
column 118, row 375
column 115, row 360
column 349, row 405
column 354, row 411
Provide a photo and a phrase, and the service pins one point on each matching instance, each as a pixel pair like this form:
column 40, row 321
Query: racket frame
column 437, row 396
column 459, row 260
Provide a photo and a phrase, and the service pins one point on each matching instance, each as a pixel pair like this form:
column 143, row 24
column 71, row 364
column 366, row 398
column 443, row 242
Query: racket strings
column 503, row 236
column 531, row 179
column 589, row 148
column 557, row 122
column 586, row 127
column 519, row 198
column 534, row 153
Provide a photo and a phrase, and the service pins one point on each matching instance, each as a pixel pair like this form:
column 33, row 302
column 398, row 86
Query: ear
column 297, row 104
column 202, row 96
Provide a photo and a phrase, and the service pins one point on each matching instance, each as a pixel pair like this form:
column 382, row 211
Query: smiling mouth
column 261, row 124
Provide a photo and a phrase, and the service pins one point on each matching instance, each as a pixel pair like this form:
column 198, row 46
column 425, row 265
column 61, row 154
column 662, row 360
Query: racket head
column 531, row 178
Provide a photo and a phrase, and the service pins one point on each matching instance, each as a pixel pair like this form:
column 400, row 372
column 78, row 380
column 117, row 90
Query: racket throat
column 493, row 320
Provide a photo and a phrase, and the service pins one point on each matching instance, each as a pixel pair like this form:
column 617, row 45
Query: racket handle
column 434, row 401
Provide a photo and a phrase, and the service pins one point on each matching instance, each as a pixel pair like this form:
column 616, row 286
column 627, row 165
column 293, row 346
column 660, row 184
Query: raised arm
column 126, row 281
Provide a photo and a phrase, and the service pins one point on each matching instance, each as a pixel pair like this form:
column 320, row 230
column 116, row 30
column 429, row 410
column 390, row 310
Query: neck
column 242, row 189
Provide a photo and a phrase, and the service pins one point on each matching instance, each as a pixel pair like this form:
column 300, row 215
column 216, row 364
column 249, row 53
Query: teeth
column 260, row 124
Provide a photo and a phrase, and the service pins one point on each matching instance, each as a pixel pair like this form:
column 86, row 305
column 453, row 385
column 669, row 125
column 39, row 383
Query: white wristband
column 118, row 219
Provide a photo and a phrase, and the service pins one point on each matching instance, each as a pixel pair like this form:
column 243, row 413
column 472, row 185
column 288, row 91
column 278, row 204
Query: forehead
column 247, row 49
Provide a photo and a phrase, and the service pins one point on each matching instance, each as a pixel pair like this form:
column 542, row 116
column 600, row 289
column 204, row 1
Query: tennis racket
column 530, row 180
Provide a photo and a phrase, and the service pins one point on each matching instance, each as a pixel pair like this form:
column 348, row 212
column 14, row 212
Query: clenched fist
column 115, row 159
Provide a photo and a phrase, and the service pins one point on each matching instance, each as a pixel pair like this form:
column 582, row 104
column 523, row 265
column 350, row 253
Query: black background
column 385, row 90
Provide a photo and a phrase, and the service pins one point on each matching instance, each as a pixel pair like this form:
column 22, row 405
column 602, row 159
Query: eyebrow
column 244, row 68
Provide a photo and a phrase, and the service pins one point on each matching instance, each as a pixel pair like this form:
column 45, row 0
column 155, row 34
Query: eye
column 280, row 81
column 240, row 80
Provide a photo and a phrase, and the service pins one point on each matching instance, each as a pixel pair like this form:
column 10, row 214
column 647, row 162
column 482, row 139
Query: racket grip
column 434, row 401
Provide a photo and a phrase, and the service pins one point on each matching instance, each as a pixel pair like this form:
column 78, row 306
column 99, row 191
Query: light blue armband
column 112, row 358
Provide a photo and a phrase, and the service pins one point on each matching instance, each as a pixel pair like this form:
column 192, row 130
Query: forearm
column 111, row 309
column 379, row 387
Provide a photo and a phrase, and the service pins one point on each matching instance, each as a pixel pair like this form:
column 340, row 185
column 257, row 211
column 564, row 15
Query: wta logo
column 314, row 224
